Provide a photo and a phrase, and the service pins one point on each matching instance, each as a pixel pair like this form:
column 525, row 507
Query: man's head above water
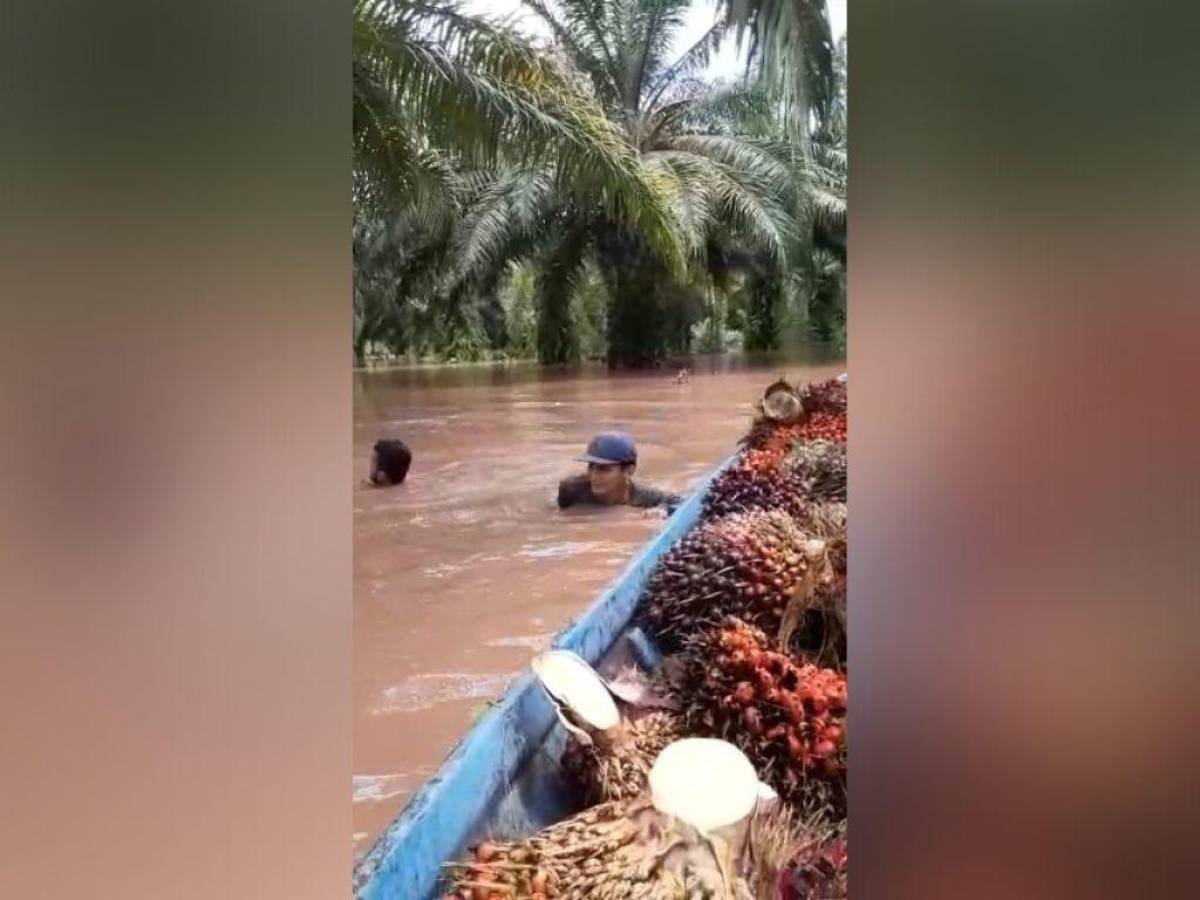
column 611, row 458
column 389, row 462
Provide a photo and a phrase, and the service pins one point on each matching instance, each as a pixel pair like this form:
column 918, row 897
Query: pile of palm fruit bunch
column 748, row 564
column 753, row 555
column 752, row 604
column 750, row 610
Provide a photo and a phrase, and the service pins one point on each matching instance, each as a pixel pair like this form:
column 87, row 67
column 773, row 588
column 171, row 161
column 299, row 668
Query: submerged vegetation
column 588, row 194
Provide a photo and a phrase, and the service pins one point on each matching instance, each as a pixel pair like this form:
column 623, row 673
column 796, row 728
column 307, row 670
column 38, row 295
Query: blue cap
column 610, row 447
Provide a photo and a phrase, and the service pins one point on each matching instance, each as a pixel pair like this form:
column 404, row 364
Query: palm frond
column 653, row 28
column 695, row 59
column 750, row 157
column 510, row 210
column 586, row 53
column 691, row 206
column 728, row 110
column 470, row 85
column 590, row 24
column 792, row 42
column 716, row 191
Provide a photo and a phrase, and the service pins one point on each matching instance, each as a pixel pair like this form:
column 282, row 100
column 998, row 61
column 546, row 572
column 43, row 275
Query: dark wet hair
column 393, row 459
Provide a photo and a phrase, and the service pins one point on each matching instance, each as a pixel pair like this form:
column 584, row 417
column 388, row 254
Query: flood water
column 468, row 569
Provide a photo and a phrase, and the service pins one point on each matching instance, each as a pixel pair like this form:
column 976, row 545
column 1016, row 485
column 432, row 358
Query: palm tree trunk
column 762, row 325
column 557, row 341
column 636, row 335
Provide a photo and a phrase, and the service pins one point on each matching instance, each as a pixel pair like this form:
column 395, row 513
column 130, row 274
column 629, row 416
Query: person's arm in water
column 648, row 497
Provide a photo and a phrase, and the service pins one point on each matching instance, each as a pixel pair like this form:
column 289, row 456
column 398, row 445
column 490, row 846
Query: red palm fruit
column 795, row 746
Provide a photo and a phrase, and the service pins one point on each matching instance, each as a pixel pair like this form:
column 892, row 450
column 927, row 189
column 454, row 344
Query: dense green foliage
column 586, row 197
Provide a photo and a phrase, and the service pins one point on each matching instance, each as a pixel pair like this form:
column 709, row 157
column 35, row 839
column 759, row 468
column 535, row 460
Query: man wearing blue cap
column 611, row 459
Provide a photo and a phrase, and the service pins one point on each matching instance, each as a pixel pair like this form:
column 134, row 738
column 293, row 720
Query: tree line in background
column 589, row 195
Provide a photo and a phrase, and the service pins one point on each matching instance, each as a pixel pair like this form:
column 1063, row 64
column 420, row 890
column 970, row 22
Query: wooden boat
column 502, row 778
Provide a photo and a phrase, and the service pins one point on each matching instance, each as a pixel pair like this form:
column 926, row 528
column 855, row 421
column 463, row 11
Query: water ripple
column 428, row 690
column 532, row 641
column 376, row 788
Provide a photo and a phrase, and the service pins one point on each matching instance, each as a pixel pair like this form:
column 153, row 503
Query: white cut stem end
column 707, row 783
column 575, row 685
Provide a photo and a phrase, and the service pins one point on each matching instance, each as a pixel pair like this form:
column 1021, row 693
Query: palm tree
column 720, row 184
column 805, row 297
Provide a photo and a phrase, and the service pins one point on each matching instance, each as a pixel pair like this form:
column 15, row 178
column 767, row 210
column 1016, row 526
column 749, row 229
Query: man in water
column 611, row 459
column 389, row 463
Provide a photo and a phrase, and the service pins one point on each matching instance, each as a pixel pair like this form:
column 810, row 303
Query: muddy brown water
column 465, row 571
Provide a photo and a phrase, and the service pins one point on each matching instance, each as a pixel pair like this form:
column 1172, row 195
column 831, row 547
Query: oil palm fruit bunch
column 789, row 717
column 772, row 439
column 794, row 859
column 685, row 838
column 747, row 564
column 813, row 624
column 763, row 434
column 821, row 467
column 813, row 627
column 611, row 746
column 838, row 556
column 824, row 396
column 616, row 768
column 761, row 461
column 751, row 483
column 818, row 633
column 828, row 522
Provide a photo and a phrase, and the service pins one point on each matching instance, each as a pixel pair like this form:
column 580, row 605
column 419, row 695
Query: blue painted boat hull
column 502, row 779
